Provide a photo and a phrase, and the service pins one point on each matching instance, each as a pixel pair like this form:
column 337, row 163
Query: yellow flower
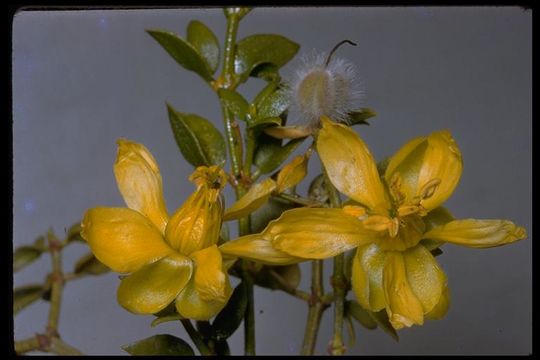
column 385, row 219
column 174, row 259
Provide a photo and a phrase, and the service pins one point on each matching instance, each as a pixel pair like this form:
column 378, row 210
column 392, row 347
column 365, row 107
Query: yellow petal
column 317, row 233
column 350, row 165
column 122, row 238
column 440, row 310
column 403, row 307
column 257, row 195
column 425, row 277
column 256, row 248
column 367, row 274
column 156, row 285
column 293, row 172
column 442, row 161
column 427, row 169
column 402, row 170
column 196, row 225
column 478, row 233
column 209, row 290
column 139, row 180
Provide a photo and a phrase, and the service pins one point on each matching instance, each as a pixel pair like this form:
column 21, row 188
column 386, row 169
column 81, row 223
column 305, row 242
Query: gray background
column 82, row 79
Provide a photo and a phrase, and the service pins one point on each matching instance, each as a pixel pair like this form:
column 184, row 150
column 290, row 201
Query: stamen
column 356, row 211
column 377, row 223
column 395, row 189
column 429, row 188
column 393, row 227
column 408, row 210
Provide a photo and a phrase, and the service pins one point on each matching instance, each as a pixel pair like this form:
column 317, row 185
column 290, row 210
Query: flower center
column 403, row 224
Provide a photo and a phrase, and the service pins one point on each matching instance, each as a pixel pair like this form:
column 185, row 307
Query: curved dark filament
column 334, row 50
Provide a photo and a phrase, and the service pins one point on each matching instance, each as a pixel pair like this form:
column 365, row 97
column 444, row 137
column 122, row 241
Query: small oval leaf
column 221, row 347
column 359, row 117
column 270, row 155
column 182, row 52
column 205, row 42
column 74, row 233
column 235, row 103
column 381, row 318
column 271, row 210
column 264, row 122
column 230, row 318
column 354, row 309
column 167, row 318
column 268, row 72
column 26, row 295
column 290, row 274
column 274, row 104
column 199, row 141
column 88, row 264
column 162, row 344
column 24, row 256
column 259, row 49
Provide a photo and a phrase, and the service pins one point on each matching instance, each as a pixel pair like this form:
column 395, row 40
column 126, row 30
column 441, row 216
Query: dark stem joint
column 339, row 282
column 51, row 332
column 55, row 245
column 44, row 342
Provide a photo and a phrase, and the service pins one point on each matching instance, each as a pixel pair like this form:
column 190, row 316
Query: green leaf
column 169, row 310
column 381, row 318
column 88, row 264
column 266, row 71
column 235, row 103
column 26, row 295
column 258, row 49
column 204, row 328
column 269, row 211
column 264, row 121
column 353, row 309
column 264, row 93
column 269, row 155
column 183, row 52
column 24, row 256
column 162, row 344
column 291, row 274
column 359, row 117
column 274, row 104
column 198, row 140
column 221, row 347
column 167, row 318
column 229, row 319
column 74, row 233
column 205, row 42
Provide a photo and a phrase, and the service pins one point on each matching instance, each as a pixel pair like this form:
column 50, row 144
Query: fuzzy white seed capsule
column 324, row 86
